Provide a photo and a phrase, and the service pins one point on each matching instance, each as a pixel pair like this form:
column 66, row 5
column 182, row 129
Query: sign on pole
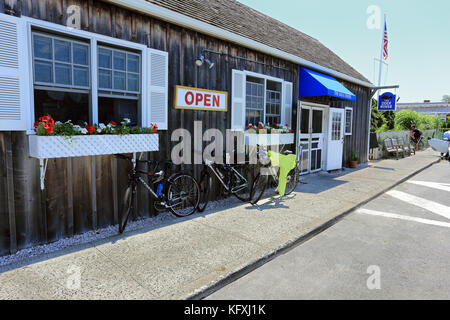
column 386, row 102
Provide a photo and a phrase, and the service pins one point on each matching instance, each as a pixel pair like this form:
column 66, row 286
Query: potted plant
column 354, row 159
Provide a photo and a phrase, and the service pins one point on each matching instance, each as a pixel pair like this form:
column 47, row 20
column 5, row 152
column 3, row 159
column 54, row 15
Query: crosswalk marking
column 408, row 218
column 435, row 185
column 431, row 206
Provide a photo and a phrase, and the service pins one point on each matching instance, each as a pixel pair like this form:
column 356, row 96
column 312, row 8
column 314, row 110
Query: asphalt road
column 395, row 247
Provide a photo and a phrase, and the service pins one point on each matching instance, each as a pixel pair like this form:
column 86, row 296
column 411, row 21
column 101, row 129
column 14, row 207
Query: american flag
column 385, row 42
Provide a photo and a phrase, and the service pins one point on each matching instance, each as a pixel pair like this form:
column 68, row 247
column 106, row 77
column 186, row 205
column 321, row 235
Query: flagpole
column 381, row 51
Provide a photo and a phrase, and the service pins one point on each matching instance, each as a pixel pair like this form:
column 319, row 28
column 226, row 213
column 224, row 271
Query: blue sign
column 386, row 102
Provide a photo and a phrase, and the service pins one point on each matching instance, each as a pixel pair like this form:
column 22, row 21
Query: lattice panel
column 268, row 139
column 43, row 147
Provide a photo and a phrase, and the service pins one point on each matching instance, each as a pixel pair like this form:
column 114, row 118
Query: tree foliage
column 382, row 121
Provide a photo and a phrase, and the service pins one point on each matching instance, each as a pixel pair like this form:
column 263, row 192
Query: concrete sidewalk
column 189, row 257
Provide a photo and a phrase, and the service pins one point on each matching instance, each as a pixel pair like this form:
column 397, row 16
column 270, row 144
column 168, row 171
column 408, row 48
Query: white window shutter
column 286, row 114
column 14, row 74
column 238, row 100
column 158, row 88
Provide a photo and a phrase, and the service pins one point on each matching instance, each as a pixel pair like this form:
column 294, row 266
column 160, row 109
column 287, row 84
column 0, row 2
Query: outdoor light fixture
column 199, row 62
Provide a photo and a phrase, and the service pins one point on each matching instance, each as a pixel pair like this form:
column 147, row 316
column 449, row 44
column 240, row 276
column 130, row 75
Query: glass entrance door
column 311, row 136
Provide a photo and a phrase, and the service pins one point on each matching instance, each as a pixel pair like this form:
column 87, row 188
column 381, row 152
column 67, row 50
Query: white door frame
column 335, row 147
column 321, row 138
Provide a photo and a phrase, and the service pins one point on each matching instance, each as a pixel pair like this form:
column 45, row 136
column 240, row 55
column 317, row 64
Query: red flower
column 36, row 124
column 275, row 124
column 48, row 127
column 113, row 123
column 156, row 126
column 290, row 130
column 90, row 128
column 154, row 129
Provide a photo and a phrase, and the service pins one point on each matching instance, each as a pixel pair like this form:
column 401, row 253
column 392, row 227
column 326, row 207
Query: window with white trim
column 49, row 68
column 263, row 101
column 348, row 120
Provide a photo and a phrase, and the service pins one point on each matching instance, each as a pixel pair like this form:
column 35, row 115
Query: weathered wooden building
column 97, row 61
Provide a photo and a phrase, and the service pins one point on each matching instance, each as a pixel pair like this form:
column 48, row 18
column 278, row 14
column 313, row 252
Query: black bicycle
column 178, row 192
column 232, row 179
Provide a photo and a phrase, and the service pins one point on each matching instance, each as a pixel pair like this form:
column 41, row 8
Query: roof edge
column 191, row 23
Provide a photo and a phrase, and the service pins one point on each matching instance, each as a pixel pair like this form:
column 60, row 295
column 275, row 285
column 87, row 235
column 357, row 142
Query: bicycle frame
column 135, row 177
column 211, row 167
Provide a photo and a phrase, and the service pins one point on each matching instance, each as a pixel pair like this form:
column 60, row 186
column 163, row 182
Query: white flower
column 76, row 128
column 99, row 130
column 102, row 125
column 84, row 131
column 109, row 125
column 126, row 120
column 68, row 121
column 58, row 122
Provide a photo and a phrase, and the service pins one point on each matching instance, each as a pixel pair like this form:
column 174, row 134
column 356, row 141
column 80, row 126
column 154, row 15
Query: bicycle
column 272, row 178
column 231, row 178
column 178, row 192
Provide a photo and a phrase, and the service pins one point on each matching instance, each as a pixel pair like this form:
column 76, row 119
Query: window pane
column 133, row 82
column 304, row 121
column 80, row 54
column 63, row 74
column 104, row 77
column 348, row 121
column 317, row 121
column 113, row 109
column 62, row 51
column 133, row 63
column 119, row 61
column 62, row 106
column 104, row 58
column 81, row 76
column 42, row 47
column 43, row 71
column 119, row 80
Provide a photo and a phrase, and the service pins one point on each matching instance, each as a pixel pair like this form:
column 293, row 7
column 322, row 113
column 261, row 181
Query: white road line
column 435, row 185
column 398, row 216
column 431, row 206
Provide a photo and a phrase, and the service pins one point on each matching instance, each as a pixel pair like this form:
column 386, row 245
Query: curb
column 235, row 275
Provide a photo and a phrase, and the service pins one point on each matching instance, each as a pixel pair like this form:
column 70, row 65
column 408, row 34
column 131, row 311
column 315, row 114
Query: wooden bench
column 399, row 146
column 389, row 147
column 407, row 146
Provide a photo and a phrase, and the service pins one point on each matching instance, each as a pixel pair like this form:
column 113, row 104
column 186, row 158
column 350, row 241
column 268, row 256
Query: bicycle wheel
column 127, row 207
column 205, row 188
column 258, row 188
column 240, row 185
column 183, row 195
column 291, row 181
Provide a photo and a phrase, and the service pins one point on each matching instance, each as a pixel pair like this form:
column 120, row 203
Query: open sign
column 200, row 99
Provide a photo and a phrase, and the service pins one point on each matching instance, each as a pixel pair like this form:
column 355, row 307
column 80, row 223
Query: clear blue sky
column 419, row 35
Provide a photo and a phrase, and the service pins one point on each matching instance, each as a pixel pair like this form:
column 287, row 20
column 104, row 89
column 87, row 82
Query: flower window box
column 252, row 139
column 48, row 147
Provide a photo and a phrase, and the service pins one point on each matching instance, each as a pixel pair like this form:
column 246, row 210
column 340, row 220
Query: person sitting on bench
column 415, row 136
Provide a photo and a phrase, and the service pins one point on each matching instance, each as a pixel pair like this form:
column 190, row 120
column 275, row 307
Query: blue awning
column 312, row 83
